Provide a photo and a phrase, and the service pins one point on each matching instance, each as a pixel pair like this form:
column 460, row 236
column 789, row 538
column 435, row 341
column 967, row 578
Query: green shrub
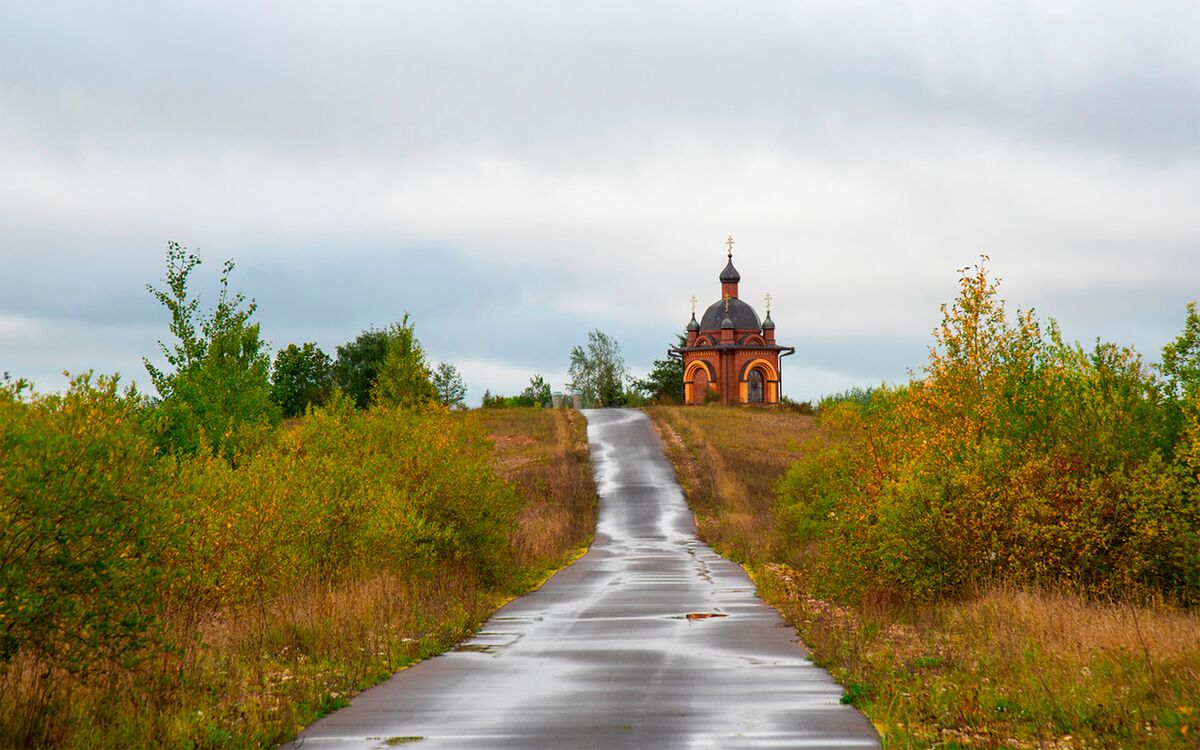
column 854, row 395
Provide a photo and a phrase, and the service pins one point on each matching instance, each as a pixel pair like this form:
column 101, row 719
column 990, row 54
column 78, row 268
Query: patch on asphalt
column 693, row 616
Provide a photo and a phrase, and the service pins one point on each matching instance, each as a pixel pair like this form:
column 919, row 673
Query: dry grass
column 543, row 452
column 254, row 677
column 1007, row 668
column 728, row 461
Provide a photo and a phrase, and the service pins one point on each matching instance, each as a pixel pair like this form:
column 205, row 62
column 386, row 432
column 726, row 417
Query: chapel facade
column 731, row 356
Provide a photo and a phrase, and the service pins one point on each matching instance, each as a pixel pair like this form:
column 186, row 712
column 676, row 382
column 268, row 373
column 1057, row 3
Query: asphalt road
column 651, row 640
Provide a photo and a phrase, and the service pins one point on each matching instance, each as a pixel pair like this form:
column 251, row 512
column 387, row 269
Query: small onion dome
column 768, row 324
column 727, row 323
column 692, row 324
column 730, row 275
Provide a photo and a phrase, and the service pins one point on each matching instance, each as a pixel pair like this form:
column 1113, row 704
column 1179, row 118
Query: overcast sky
column 515, row 174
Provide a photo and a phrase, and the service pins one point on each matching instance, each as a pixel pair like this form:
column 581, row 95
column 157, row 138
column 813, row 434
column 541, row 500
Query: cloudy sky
column 515, row 174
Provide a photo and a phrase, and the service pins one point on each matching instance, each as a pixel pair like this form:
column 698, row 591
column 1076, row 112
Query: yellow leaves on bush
column 99, row 533
column 339, row 494
column 78, row 524
column 1014, row 457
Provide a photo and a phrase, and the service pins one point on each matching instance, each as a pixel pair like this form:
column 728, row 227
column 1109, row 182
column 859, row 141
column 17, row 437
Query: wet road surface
column 651, row 640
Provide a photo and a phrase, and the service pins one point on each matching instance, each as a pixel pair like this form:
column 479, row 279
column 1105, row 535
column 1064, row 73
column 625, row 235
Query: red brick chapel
column 730, row 353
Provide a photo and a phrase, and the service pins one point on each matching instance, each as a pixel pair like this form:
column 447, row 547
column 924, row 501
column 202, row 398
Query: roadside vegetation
column 1003, row 552
column 190, row 571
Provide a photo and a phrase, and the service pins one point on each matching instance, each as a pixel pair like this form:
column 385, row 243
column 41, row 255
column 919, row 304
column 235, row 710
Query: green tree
column 358, row 364
column 1181, row 359
column 598, row 372
column 301, row 376
column 1180, row 369
column 538, row 391
column 403, row 378
column 216, row 390
column 451, row 391
column 664, row 383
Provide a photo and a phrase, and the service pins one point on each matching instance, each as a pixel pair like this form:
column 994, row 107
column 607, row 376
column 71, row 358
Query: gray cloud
column 403, row 77
column 515, row 174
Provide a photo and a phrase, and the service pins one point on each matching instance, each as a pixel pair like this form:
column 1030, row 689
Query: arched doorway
column 754, row 389
column 699, row 385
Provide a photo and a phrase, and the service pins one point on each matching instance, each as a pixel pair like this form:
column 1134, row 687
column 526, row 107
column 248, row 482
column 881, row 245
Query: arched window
column 755, row 386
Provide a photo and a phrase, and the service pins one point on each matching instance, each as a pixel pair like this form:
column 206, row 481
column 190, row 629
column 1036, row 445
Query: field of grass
column 251, row 654
column 1004, row 667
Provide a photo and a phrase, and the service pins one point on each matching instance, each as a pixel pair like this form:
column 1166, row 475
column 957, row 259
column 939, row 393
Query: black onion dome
column 768, row 324
column 741, row 315
column 692, row 324
column 730, row 275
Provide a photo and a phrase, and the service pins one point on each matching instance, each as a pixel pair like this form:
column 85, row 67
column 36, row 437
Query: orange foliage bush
column 1016, row 457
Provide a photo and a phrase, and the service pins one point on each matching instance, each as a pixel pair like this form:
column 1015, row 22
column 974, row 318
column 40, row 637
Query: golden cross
column 768, row 299
column 693, row 305
column 726, row 298
column 729, row 247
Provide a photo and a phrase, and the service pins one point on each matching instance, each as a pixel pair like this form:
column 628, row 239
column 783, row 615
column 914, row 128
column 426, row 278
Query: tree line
column 219, row 388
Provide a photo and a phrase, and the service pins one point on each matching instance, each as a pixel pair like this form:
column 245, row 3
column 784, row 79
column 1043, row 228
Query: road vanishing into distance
column 651, row 640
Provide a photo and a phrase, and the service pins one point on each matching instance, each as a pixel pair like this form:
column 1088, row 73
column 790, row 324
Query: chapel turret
column 731, row 356
column 730, row 276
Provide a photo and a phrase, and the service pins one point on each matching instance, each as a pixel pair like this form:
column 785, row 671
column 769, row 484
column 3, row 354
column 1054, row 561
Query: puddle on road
column 694, row 616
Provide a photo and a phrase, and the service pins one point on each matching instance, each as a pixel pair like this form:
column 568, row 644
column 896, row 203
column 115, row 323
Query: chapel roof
column 740, row 314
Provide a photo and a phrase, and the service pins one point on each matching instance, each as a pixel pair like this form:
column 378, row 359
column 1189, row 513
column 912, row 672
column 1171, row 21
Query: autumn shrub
column 79, row 562
column 341, row 494
column 1014, row 457
column 116, row 558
